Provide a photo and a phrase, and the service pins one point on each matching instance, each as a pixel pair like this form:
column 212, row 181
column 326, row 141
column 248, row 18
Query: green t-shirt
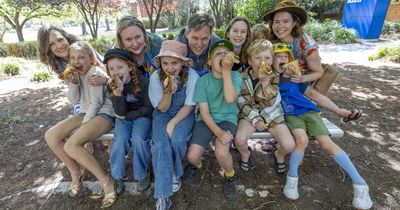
column 210, row 90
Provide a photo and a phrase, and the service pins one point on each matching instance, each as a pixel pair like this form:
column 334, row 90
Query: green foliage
column 343, row 36
column 12, row 119
column 11, row 69
column 391, row 53
column 22, row 49
column 102, row 43
column 171, row 36
column 254, row 10
column 41, row 77
column 17, row 12
column 3, row 51
column 164, row 36
column 391, row 27
column 220, row 32
column 330, row 31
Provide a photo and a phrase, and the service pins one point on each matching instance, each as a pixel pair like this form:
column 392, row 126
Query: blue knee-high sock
column 295, row 158
column 344, row 161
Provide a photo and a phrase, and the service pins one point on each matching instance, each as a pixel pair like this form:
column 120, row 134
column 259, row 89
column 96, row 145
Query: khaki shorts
column 311, row 122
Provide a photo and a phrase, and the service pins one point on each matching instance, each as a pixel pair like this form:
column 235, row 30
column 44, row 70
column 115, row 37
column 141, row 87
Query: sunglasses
column 280, row 46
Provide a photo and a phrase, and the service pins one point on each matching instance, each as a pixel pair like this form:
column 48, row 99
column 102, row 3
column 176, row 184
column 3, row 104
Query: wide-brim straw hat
column 173, row 48
column 288, row 6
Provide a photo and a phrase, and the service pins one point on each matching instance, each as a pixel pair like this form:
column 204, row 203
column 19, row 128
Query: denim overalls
column 168, row 153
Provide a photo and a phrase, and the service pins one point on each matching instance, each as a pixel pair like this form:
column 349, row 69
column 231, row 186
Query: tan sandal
column 110, row 198
column 75, row 189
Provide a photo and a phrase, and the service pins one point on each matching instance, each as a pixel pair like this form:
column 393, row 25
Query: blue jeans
column 168, row 153
column 136, row 134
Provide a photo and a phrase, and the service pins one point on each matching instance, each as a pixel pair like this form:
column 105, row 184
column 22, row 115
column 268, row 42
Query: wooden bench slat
column 334, row 131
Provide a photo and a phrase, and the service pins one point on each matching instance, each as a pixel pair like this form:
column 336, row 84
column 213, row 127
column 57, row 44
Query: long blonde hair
column 88, row 49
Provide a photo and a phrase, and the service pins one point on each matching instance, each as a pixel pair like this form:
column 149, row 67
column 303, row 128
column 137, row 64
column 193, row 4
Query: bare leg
column 56, row 136
column 243, row 133
column 325, row 102
column 285, row 139
column 223, row 156
column 194, row 154
column 89, row 131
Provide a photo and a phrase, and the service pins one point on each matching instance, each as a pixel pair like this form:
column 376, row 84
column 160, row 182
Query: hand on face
column 116, row 85
column 264, row 71
column 170, row 84
column 228, row 60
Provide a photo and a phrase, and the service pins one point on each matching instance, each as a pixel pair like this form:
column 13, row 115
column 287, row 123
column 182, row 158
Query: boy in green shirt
column 216, row 93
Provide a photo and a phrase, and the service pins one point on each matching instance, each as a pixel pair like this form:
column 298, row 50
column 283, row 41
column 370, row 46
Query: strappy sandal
column 75, row 189
column 268, row 146
column 247, row 166
column 353, row 117
column 280, row 168
column 110, row 198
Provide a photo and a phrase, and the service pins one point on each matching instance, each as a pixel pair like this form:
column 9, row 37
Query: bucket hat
column 288, row 6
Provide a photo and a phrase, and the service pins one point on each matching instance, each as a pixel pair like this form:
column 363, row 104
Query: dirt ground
column 373, row 144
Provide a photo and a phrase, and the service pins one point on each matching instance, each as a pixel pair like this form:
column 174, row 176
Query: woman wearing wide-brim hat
column 286, row 23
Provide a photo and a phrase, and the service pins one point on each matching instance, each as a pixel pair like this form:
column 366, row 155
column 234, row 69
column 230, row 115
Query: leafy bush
column 103, row 43
column 41, row 77
column 220, row 32
column 391, row 27
column 164, row 36
column 3, row 51
column 22, row 49
column 391, row 53
column 171, row 36
column 343, row 36
column 11, row 69
column 330, row 31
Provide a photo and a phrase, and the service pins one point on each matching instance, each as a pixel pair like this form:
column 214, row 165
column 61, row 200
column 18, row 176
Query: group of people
column 168, row 99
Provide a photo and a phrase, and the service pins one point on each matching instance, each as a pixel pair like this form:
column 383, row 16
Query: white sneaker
column 290, row 189
column 176, row 184
column 361, row 199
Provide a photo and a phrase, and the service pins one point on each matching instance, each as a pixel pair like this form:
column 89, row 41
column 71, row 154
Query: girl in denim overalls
column 171, row 92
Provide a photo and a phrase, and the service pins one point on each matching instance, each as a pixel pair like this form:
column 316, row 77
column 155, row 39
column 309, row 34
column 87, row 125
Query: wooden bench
column 334, row 131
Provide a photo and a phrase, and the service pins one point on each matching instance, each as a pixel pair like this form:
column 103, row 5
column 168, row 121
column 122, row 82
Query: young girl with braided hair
column 133, row 110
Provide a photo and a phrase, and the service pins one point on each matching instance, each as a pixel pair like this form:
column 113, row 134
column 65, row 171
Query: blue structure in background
column 365, row 16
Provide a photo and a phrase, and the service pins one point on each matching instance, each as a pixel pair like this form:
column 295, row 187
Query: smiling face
column 171, row 65
column 58, row 44
column 280, row 60
column 119, row 68
column 238, row 33
column 199, row 40
column 133, row 40
column 80, row 59
column 255, row 59
column 282, row 25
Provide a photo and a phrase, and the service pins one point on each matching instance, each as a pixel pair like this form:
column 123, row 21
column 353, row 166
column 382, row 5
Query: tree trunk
column 107, row 25
column 84, row 32
column 18, row 29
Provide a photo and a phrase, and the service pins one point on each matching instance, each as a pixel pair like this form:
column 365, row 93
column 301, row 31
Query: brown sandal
column 110, row 198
